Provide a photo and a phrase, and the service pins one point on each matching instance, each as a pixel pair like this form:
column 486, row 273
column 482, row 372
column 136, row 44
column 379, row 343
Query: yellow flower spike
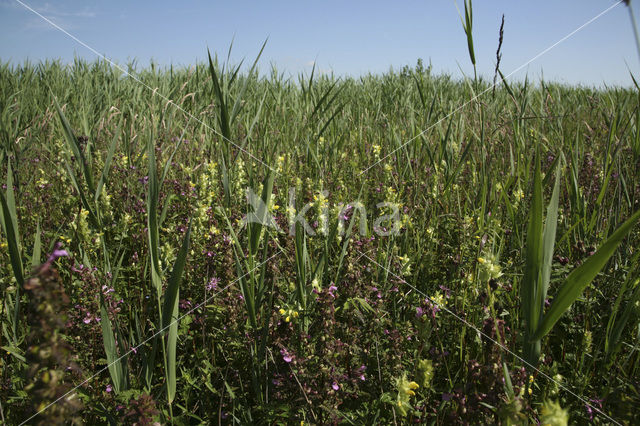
column 414, row 385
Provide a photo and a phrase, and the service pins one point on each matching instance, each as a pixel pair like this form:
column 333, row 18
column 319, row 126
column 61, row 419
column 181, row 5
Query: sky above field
column 340, row 37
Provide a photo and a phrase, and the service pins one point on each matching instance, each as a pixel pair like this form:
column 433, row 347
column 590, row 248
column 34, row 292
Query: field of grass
column 456, row 258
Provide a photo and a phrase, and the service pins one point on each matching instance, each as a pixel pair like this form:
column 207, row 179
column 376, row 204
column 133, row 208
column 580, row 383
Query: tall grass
column 150, row 200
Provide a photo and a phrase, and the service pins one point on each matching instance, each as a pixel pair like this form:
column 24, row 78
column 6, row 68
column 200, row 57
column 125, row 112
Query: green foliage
column 203, row 316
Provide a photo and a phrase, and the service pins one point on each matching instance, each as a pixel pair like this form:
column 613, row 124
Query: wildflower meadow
column 220, row 244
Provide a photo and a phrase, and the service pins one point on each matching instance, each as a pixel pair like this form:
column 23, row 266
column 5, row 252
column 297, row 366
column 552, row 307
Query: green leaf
column 533, row 264
column 10, row 227
column 548, row 241
column 72, row 141
column 468, row 14
column 107, row 162
column 581, row 277
column 152, row 220
column 255, row 228
column 224, row 113
column 14, row 351
column 532, row 282
column 170, row 314
column 37, row 249
column 173, row 286
column 115, row 366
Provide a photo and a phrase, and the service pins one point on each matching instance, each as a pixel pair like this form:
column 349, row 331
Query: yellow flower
column 489, row 267
column 425, row 372
column 552, row 414
column 406, row 389
column 282, row 311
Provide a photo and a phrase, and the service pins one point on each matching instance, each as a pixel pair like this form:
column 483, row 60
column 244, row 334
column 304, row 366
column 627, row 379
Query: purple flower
column 286, row 356
column 361, row 371
column 213, row 283
column 57, row 252
column 596, row 401
column 331, row 289
column 335, row 386
column 109, row 388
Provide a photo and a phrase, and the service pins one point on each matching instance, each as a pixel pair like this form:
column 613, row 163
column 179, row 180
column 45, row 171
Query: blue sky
column 343, row 37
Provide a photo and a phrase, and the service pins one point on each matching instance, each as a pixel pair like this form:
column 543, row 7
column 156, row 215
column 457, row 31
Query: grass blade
column 72, row 141
column 531, row 279
column 255, row 227
column 152, row 219
column 170, row 314
column 10, row 227
column 582, row 276
column 116, row 370
column 548, row 241
column 107, row 162
column 36, row 256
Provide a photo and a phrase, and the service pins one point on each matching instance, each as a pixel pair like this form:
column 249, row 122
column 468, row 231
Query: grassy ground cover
column 467, row 259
